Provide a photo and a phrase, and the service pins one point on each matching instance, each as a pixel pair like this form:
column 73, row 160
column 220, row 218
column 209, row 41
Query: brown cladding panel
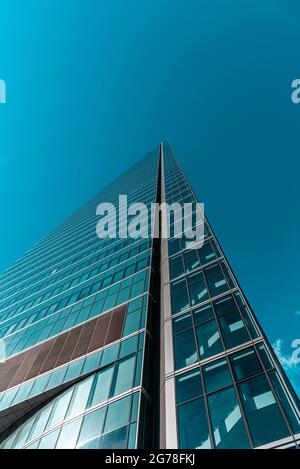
column 100, row 332
column 116, row 325
column 72, row 344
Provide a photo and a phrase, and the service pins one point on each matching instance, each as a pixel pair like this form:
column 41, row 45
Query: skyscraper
column 136, row 342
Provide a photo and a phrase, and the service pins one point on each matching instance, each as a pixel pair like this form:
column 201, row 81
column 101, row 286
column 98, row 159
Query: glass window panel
column 206, row 253
column 49, row 441
column 115, row 440
column 263, row 415
column 176, row 266
column 191, row 260
column 110, row 355
column 179, row 296
column 252, row 328
column 245, row 364
column 101, row 386
column 265, row 358
column 117, row 414
column 132, row 436
column 215, row 280
column 216, row 375
column 197, row 288
column 60, row 408
column 203, row 314
column 123, row 376
column 224, row 305
column 286, row 402
column 226, row 420
column 193, row 426
column 185, row 349
column 188, row 386
column 23, row 433
column 91, row 426
column 132, row 322
column 68, row 435
column 233, row 329
column 80, row 397
column 182, row 322
column 209, row 341
column 41, row 421
column 128, row 346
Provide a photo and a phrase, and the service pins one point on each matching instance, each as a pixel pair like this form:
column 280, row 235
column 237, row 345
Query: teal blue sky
column 93, row 85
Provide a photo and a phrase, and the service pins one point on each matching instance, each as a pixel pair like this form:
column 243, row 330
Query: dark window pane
column 179, row 296
column 182, row 322
column 216, row 375
column 209, row 341
column 203, row 314
column 264, row 356
column 174, row 246
column 285, row 401
column 233, row 329
column 188, row 386
column 115, row 439
column 215, row 280
column 206, row 253
column 191, row 260
column 224, row 305
column 263, row 415
column 176, row 266
column 226, row 419
column 193, row 427
column 249, row 322
column 185, row 349
column 245, row 364
column 197, row 288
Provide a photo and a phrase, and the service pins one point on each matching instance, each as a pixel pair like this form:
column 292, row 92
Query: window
column 226, row 420
column 68, row 435
column 117, row 414
column 101, row 386
column 285, row 401
column 197, row 288
column 209, row 341
column 245, row 364
column 263, row 415
column 224, row 305
column 203, row 314
column 185, row 349
column 176, row 266
column 80, row 397
column 182, row 322
column 206, row 253
column 179, row 296
column 233, row 330
column 216, row 375
column 188, row 386
column 193, row 426
column 191, row 260
column 216, row 280
column 115, row 440
column 264, row 356
column 123, row 377
column 92, row 426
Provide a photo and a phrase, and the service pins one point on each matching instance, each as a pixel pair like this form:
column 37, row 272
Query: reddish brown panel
column 26, row 364
column 116, row 325
column 100, row 332
column 40, row 359
column 72, row 344
column 54, row 352
column 68, row 348
column 85, row 338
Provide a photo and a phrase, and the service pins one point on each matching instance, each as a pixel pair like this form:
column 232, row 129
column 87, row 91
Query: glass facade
column 136, row 342
column 230, row 391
